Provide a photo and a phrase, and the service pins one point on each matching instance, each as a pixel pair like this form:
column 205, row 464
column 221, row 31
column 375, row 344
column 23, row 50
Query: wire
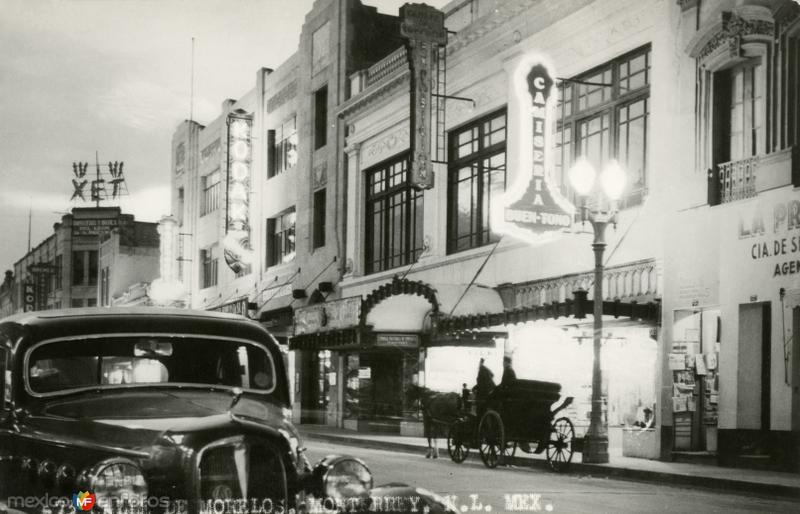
column 475, row 276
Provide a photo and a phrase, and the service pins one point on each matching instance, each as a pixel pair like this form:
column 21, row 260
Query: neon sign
column 236, row 244
column 532, row 205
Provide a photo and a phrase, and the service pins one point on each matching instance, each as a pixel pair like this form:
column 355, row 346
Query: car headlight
column 345, row 477
column 116, row 480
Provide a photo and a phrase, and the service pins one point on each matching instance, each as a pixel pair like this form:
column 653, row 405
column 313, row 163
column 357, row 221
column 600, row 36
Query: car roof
column 35, row 317
column 39, row 325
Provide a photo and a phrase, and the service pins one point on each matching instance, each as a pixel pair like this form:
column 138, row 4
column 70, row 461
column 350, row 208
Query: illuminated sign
column 236, row 244
column 533, row 204
column 29, row 296
column 424, row 28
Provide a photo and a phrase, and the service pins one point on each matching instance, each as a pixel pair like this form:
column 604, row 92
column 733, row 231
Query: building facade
column 64, row 270
column 128, row 260
column 731, row 253
column 380, row 278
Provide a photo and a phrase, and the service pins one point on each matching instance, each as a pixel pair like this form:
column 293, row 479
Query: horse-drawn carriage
column 521, row 414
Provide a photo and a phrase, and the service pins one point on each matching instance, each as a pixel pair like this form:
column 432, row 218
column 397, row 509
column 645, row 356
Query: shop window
column 212, row 192
column 320, row 117
column 281, row 238
column 602, row 115
column 285, row 147
column 319, row 218
column 394, row 214
column 476, row 179
column 208, row 267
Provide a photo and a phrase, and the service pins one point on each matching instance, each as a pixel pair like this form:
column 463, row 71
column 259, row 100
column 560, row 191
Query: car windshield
column 60, row 366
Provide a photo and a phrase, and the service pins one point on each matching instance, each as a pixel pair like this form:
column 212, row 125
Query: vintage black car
column 162, row 410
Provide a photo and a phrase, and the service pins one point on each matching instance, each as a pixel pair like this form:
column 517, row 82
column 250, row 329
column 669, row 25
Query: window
column 76, row 302
column 104, row 286
column 179, row 214
column 280, row 238
column 320, row 117
column 212, row 192
column 208, row 269
column 476, row 179
column 739, row 102
column 58, row 274
column 285, row 147
column 92, row 267
column 394, row 217
column 91, row 302
column 603, row 115
column 319, row 218
column 78, row 274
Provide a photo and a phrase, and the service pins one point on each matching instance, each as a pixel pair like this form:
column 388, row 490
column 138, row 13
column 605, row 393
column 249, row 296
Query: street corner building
column 402, row 198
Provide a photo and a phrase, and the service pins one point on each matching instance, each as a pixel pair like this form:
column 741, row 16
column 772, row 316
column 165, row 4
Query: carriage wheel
column 491, row 437
column 559, row 448
column 456, row 446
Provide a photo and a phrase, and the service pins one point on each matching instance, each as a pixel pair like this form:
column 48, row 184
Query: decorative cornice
column 730, row 32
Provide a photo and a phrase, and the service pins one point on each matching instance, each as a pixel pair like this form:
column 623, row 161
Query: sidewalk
column 772, row 483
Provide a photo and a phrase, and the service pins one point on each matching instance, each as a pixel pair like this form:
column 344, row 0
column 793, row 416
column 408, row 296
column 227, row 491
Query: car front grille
column 241, row 468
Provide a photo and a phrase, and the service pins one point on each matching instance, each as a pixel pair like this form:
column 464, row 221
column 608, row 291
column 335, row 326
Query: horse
column 439, row 411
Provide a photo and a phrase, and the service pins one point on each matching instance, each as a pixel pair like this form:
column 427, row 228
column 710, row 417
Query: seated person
column 649, row 419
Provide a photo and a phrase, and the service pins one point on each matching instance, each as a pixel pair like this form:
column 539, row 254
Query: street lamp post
column 600, row 214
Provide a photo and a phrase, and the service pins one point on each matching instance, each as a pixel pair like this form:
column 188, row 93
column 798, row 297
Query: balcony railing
column 737, row 179
column 638, row 281
column 386, row 66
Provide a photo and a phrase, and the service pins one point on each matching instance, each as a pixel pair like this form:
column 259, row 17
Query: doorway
column 796, row 369
column 753, row 376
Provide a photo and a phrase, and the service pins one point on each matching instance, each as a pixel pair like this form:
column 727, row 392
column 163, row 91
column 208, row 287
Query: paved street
column 559, row 493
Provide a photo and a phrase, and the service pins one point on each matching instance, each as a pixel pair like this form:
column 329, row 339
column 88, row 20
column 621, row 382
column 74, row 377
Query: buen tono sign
column 532, row 205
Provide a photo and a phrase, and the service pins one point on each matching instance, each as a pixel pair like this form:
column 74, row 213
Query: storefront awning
column 578, row 308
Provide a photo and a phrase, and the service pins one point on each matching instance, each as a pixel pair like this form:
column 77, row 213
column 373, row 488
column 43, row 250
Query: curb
column 593, row 470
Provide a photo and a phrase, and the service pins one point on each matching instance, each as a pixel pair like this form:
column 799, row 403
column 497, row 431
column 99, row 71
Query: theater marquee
column 532, row 205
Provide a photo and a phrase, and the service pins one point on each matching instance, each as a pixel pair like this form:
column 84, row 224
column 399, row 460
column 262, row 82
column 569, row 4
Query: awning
column 577, row 308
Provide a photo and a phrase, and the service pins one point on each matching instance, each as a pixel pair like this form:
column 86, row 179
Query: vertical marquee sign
column 29, row 295
column 424, row 27
column 533, row 204
column 238, row 253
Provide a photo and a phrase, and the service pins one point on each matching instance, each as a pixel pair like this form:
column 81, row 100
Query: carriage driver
column 509, row 376
column 484, row 385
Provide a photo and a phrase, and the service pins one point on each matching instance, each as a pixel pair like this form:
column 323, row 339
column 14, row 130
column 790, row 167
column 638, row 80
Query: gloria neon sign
column 236, row 244
column 532, row 205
